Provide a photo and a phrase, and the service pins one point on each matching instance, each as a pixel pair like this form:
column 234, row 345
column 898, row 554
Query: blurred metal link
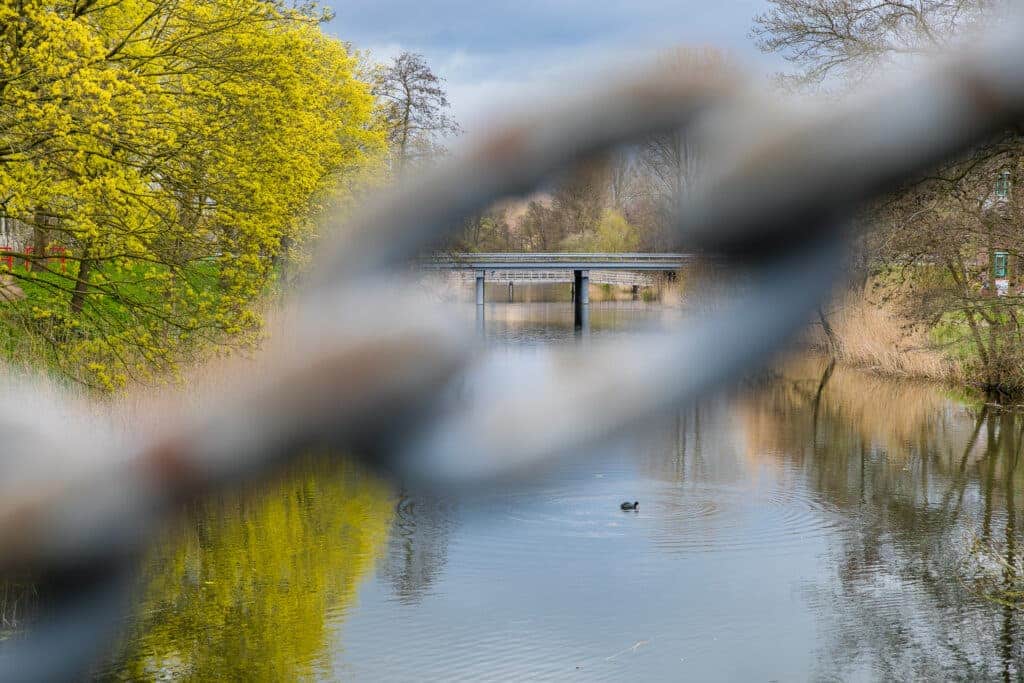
column 366, row 365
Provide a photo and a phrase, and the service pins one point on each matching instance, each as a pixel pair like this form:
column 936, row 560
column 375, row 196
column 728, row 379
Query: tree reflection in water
column 418, row 546
column 917, row 477
column 255, row 584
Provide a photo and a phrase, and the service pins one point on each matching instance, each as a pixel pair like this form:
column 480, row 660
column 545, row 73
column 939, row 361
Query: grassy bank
column 131, row 334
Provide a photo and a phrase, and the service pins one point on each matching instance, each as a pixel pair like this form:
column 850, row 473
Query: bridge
column 556, row 261
column 555, row 267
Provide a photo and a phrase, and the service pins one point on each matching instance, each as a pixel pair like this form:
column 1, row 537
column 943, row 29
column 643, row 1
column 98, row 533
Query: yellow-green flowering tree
column 171, row 150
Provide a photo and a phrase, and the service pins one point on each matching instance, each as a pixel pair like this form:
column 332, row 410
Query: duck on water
column 630, row 506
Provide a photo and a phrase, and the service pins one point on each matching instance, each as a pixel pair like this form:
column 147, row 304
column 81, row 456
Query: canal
column 813, row 523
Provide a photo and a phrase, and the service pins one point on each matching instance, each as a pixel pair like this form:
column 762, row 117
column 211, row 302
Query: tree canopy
column 167, row 150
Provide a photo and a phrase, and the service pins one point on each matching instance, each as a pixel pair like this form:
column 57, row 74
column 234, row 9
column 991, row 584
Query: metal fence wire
column 369, row 364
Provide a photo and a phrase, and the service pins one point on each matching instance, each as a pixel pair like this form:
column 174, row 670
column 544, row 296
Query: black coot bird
column 630, row 506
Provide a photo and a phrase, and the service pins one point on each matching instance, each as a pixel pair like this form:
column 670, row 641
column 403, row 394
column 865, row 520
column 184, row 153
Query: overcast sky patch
column 495, row 55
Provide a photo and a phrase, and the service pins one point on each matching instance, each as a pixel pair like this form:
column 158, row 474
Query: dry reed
column 872, row 335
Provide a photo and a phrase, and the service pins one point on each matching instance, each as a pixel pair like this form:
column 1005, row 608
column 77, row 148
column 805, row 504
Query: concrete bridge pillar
column 581, row 297
column 481, row 323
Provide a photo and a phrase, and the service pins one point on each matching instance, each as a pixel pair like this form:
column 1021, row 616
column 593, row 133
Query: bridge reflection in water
column 633, row 269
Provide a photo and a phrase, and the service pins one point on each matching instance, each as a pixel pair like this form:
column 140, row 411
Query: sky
column 495, row 55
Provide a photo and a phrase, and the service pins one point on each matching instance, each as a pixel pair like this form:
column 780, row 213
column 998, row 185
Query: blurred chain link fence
column 375, row 372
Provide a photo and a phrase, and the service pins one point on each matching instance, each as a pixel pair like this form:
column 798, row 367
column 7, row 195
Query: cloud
column 495, row 54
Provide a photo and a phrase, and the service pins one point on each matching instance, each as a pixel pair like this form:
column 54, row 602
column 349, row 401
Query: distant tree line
column 624, row 201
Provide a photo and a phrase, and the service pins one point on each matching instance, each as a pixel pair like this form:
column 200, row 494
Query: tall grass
column 873, row 335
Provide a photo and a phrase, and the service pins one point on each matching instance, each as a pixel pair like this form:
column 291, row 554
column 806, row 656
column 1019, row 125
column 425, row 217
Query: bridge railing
column 559, row 256
column 537, row 260
column 376, row 374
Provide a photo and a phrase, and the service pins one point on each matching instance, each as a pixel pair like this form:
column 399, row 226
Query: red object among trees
column 54, row 250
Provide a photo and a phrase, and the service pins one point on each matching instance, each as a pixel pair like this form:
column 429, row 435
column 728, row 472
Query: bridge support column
column 581, row 298
column 481, row 323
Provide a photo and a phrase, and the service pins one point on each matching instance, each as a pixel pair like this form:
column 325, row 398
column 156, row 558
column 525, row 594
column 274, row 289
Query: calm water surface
column 812, row 525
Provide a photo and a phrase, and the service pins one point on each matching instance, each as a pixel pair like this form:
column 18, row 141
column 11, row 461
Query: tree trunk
column 40, row 235
column 959, row 274
column 406, row 116
column 283, row 259
column 830, row 334
column 81, row 285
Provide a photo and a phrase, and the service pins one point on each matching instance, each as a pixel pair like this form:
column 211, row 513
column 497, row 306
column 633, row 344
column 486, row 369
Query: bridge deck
column 645, row 278
column 555, row 261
